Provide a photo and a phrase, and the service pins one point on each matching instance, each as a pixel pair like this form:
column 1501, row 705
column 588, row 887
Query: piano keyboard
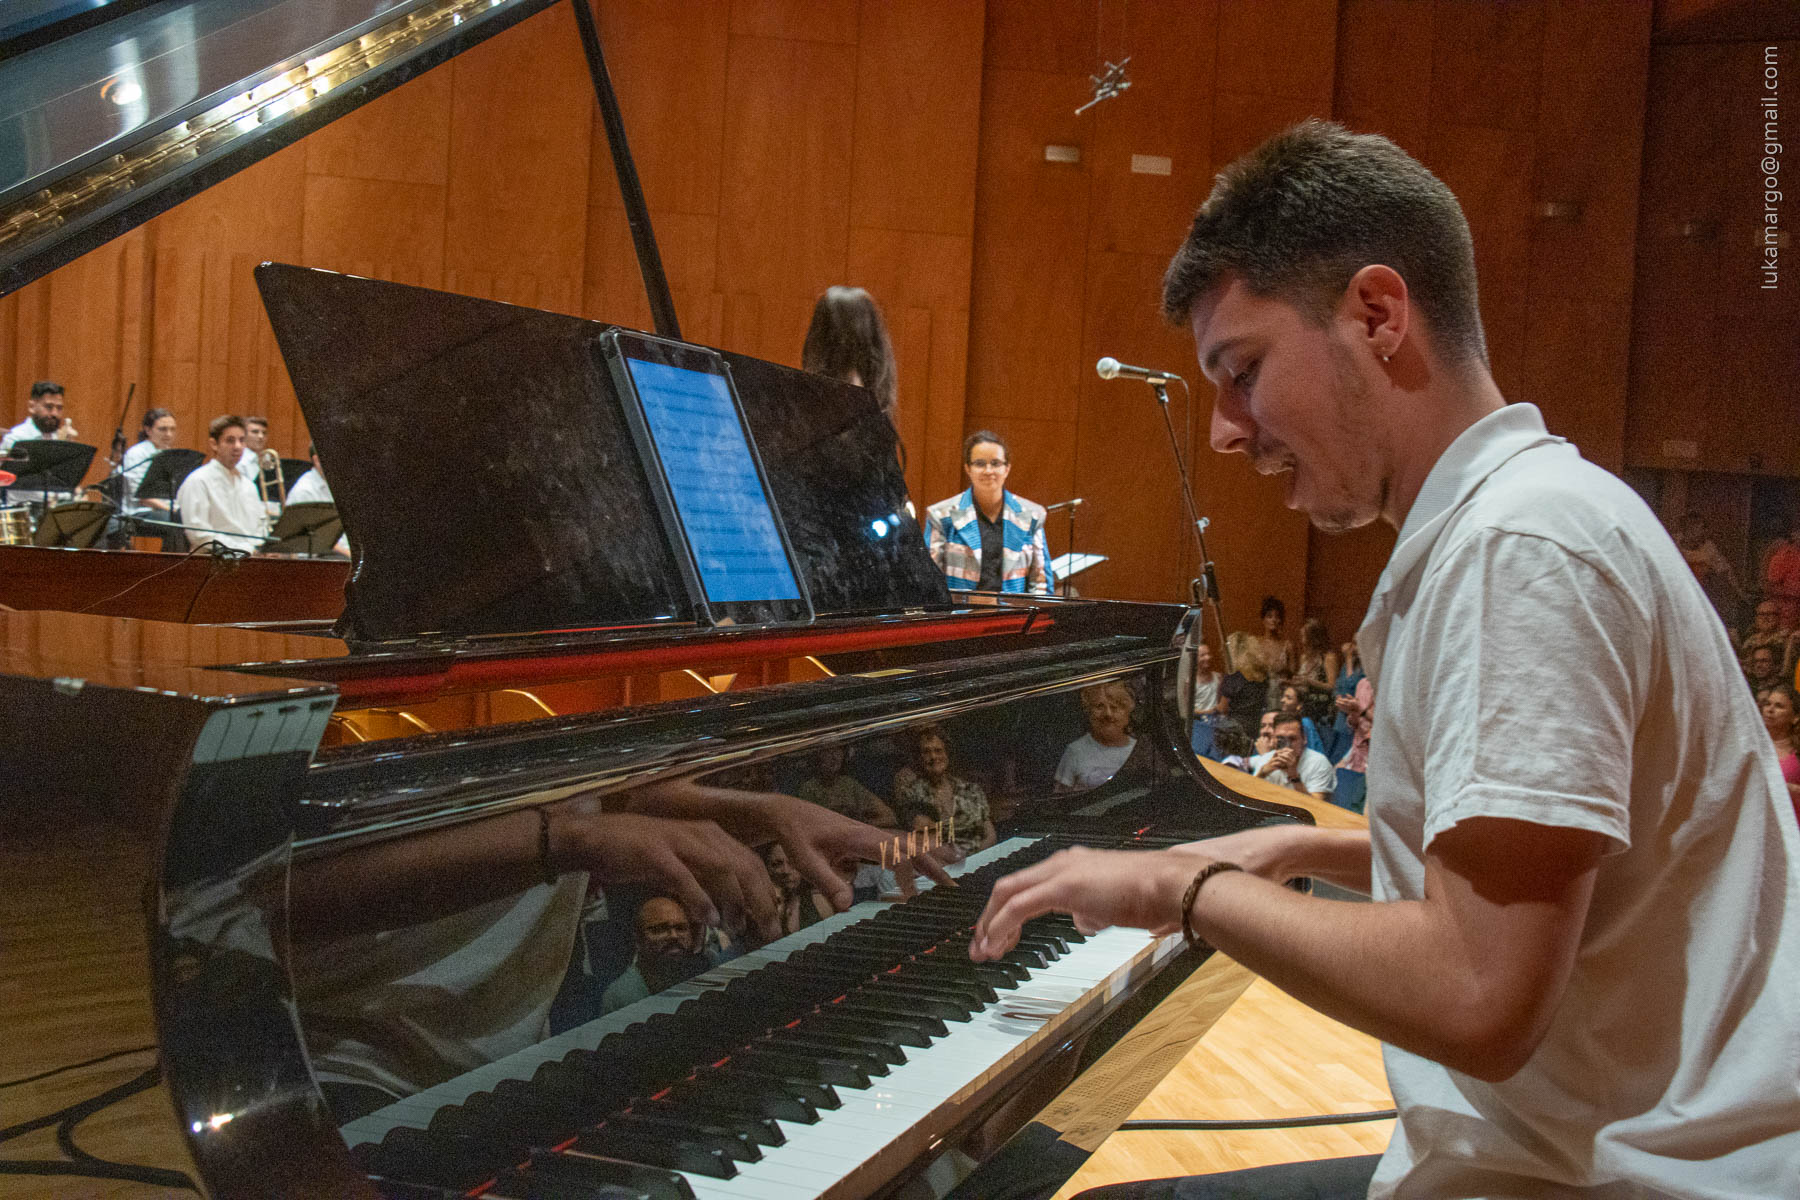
column 804, row 1069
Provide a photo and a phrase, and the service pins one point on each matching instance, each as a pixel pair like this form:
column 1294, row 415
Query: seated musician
column 1097, row 755
column 668, row 952
column 311, row 487
column 156, row 435
column 421, row 958
column 43, row 417
column 987, row 538
column 217, row 502
column 1584, row 938
column 931, row 785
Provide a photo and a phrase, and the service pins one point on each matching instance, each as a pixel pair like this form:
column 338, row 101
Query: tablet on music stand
column 311, row 529
column 78, row 523
column 50, row 465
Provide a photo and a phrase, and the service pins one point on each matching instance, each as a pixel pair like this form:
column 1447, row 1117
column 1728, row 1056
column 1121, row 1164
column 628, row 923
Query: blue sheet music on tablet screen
column 718, row 495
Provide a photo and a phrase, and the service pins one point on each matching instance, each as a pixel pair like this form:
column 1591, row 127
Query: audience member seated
column 986, row 538
column 1766, row 629
column 1357, row 712
column 801, row 904
column 1292, row 702
column 1246, row 686
column 953, row 799
column 43, row 417
column 1711, row 568
column 848, row 340
column 1289, row 763
column 1317, row 668
column 668, row 952
column 1765, row 669
column 156, row 435
column 1780, row 705
column 1781, row 574
column 1273, row 649
column 1231, row 743
column 1097, row 755
column 1209, row 702
column 830, row 787
column 217, row 503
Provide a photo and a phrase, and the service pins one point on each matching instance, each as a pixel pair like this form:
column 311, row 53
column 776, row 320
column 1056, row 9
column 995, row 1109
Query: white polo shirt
column 217, row 498
column 1317, row 775
column 1540, row 652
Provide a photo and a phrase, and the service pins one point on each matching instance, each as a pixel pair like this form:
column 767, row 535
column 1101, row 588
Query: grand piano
column 374, row 967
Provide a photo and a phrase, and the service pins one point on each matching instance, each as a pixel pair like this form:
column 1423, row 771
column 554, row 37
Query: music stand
column 310, row 529
column 50, row 465
column 162, row 479
column 78, row 523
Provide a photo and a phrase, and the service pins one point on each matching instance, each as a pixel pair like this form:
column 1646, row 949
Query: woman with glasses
column 988, row 539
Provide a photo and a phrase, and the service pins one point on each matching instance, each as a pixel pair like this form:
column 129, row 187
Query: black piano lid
column 108, row 118
column 487, row 479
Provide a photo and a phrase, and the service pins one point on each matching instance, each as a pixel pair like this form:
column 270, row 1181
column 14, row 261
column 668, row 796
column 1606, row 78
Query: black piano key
column 642, row 1145
column 819, row 1095
column 717, row 1092
column 832, row 1069
column 880, row 1049
column 882, row 1007
column 859, row 1026
column 924, row 1000
column 735, row 1143
column 559, row 1176
column 759, row 1131
column 980, row 990
column 999, row 974
column 437, row 1159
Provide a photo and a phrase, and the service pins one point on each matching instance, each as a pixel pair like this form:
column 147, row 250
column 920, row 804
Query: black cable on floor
column 82, row 1163
column 11, row 1083
column 1385, row 1114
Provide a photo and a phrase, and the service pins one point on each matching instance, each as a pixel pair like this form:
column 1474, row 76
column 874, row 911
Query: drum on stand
column 15, row 525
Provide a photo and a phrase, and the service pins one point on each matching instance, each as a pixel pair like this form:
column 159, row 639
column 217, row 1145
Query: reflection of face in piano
column 663, row 930
column 934, row 758
column 1108, row 707
column 781, row 872
column 828, row 763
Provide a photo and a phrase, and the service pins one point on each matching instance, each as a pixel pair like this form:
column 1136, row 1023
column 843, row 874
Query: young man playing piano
column 1586, row 928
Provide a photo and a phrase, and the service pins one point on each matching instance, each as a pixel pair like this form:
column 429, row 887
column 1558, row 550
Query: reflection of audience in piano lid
column 830, row 787
column 670, row 949
column 418, row 959
column 1099, row 754
column 950, row 797
column 218, row 503
column 801, row 904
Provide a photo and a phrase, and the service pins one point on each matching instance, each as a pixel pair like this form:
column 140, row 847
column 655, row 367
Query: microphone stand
column 1205, row 588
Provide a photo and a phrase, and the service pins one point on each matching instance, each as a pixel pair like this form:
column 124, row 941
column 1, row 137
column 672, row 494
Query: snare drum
column 15, row 525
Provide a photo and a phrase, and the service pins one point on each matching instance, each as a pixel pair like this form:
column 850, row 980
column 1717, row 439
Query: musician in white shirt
column 217, row 503
column 43, row 417
column 311, row 487
column 158, row 435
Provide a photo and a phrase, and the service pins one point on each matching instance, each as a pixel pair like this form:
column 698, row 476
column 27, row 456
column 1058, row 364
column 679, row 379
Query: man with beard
column 43, row 417
column 666, row 955
column 1584, row 867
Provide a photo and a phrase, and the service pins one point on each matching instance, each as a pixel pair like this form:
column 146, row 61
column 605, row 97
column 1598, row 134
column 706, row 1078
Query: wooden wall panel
column 830, row 21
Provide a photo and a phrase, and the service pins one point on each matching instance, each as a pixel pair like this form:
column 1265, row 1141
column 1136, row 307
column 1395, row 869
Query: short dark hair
column 983, row 435
column 221, row 424
column 1272, row 604
column 1287, row 718
column 46, row 387
column 1300, row 215
column 263, row 421
column 847, row 334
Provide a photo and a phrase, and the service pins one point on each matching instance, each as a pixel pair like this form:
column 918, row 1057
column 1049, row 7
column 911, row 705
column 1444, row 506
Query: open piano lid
column 113, row 110
column 486, row 477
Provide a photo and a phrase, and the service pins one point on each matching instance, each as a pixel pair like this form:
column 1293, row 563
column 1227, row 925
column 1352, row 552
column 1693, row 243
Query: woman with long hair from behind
column 848, row 340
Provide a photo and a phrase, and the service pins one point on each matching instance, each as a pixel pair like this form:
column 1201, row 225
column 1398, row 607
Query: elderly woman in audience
column 1097, row 755
column 933, row 786
column 1779, row 706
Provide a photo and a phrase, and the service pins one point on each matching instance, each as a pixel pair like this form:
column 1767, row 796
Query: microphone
column 1112, row 368
column 1062, row 504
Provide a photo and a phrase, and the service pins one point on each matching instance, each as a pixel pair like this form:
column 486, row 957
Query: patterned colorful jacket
column 954, row 539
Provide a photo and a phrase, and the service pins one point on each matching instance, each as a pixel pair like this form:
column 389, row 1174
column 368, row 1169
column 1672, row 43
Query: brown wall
column 786, row 145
